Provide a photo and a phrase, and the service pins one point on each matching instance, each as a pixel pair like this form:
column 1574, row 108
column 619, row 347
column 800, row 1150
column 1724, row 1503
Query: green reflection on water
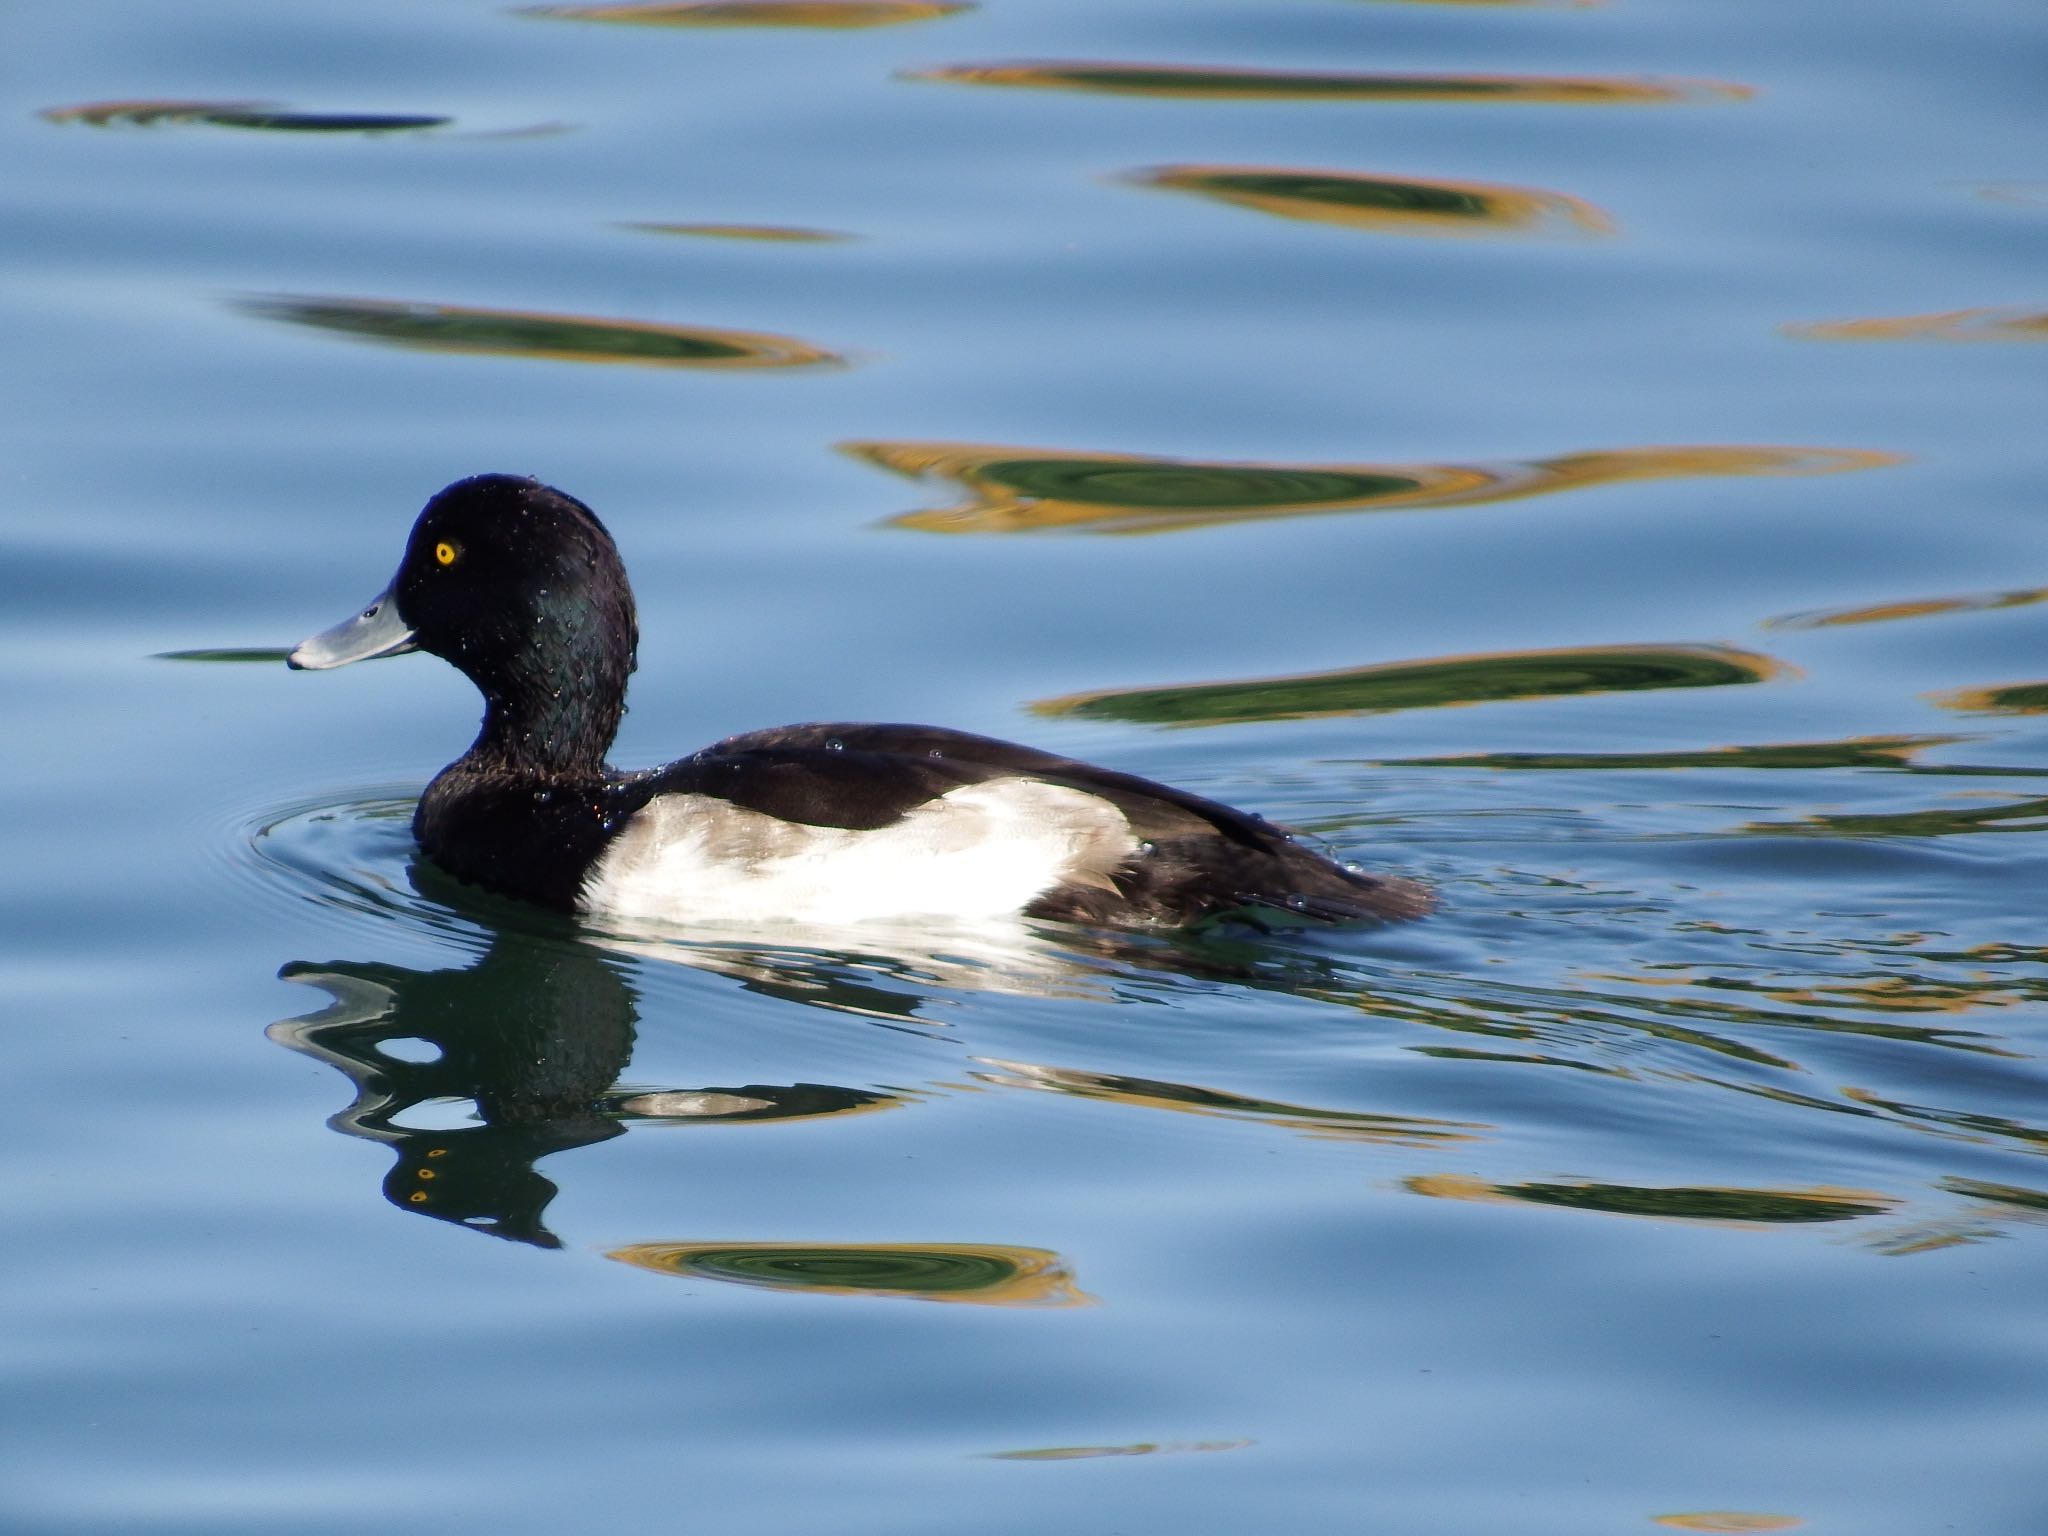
column 2024, row 814
column 1856, row 752
column 1705, row 1203
column 1023, row 490
column 1910, row 608
column 1394, row 205
column 522, row 333
column 2010, row 699
column 1492, row 678
column 984, row 1274
column 1316, row 85
column 239, row 114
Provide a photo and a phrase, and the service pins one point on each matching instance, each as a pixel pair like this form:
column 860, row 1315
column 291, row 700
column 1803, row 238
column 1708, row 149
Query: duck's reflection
column 533, row 1037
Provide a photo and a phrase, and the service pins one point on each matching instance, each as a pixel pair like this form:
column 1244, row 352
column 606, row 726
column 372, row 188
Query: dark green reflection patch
column 1317, row 85
column 240, row 114
column 523, row 333
column 988, row 1274
column 1397, row 205
column 1183, row 485
column 1696, row 1203
column 1492, row 678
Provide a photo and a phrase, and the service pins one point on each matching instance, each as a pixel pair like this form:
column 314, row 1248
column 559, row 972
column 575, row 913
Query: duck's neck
column 554, row 716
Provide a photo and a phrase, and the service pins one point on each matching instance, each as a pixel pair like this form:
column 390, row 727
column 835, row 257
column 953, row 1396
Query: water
column 1225, row 426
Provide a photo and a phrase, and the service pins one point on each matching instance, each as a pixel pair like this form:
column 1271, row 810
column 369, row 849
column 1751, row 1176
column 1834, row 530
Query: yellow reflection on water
column 1720, row 1204
column 1400, row 205
column 532, row 334
column 985, row 1274
column 788, row 234
column 757, row 13
column 2010, row 324
column 1146, row 1093
column 1909, row 608
column 1732, row 1522
column 1227, row 83
column 1486, row 677
column 2006, row 699
column 1031, row 490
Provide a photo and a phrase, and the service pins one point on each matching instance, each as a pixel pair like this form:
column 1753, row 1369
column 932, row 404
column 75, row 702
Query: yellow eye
column 445, row 553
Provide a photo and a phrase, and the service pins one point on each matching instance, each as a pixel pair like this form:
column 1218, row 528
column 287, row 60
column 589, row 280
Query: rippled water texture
column 1553, row 451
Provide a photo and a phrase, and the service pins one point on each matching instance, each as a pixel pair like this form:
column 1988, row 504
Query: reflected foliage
column 2020, row 814
column 1909, row 608
column 1385, row 204
column 835, row 14
column 1026, row 490
column 553, row 338
column 1950, row 325
column 1729, row 1522
column 1706, row 1203
column 532, row 1038
column 2009, row 699
column 1493, row 678
column 984, row 1274
column 1149, row 1093
column 1856, row 752
column 1228, row 84
column 239, row 114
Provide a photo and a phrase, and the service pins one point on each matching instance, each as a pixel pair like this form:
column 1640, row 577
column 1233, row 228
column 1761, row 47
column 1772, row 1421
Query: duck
column 522, row 589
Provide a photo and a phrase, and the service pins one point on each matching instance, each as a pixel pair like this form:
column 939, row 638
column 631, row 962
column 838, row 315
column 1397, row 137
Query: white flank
column 980, row 851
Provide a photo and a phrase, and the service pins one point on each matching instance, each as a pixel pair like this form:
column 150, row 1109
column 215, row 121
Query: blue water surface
column 1604, row 483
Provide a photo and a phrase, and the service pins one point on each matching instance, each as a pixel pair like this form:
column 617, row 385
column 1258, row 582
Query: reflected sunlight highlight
column 1233, row 84
column 1384, row 204
column 534, row 335
column 983, row 1274
column 1491, row 677
column 1032, row 490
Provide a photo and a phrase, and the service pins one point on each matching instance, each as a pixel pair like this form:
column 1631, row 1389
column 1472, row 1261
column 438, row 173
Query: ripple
column 835, row 14
column 1148, row 1093
column 983, row 1274
column 239, row 114
column 1226, row 83
column 1031, row 490
column 1487, row 678
column 530, row 334
column 1385, row 204
column 2010, row 324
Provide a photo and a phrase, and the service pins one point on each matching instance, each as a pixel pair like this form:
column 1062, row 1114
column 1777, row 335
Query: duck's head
column 520, row 587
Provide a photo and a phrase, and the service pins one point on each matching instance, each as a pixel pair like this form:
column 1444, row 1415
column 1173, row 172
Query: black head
column 519, row 586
